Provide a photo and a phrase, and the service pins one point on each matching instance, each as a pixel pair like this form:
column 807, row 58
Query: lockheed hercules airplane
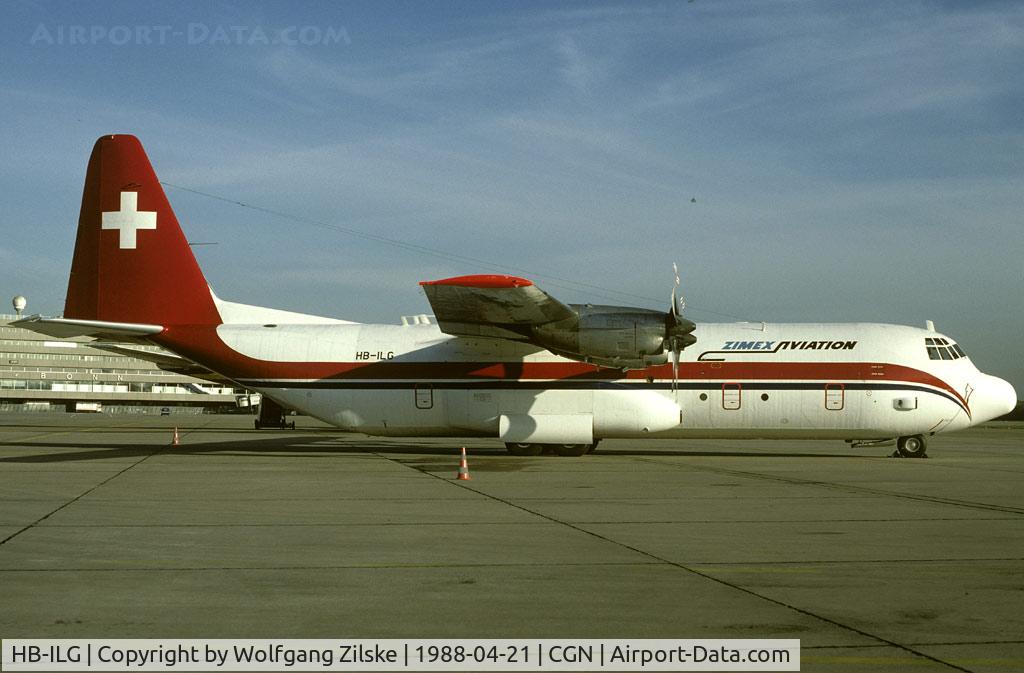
column 505, row 359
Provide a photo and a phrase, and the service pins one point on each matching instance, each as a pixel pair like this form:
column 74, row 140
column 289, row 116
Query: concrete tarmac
column 874, row 563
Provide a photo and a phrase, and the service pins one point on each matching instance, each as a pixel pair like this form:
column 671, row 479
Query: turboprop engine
column 615, row 336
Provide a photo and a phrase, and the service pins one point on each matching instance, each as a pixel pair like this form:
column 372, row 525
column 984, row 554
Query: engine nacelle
column 613, row 336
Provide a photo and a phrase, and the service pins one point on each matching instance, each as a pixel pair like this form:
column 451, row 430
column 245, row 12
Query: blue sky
column 850, row 161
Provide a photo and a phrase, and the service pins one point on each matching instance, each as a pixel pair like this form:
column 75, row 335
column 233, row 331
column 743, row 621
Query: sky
column 799, row 161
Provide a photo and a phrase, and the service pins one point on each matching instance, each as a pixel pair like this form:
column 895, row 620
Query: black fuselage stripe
column 704, row 386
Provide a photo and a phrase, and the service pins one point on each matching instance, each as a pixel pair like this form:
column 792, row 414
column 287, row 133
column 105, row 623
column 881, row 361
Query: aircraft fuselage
column 827, row 380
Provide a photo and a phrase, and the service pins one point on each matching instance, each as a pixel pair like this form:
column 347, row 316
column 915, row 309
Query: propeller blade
column 677, row 330
column 675, row 301
column 675, row 365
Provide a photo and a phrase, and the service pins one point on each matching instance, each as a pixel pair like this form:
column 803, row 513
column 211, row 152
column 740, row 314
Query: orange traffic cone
column 463, row 468
column 176, row 440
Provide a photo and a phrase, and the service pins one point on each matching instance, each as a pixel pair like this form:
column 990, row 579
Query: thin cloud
column 762, row 146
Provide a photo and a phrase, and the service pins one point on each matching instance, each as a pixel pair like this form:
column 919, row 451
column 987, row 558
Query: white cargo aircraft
column 505, row 359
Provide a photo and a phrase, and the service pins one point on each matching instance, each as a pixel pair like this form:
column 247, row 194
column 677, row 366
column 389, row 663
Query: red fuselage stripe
column 203, row 345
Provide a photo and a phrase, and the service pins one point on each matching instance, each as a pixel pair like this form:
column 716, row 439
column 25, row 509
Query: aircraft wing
column 503, row 307
column 507, row 307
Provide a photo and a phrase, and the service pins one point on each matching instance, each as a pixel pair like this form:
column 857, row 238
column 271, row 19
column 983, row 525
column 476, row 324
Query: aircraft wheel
column 593, row 447
column 913, row 446
column 524, row 449
column 256, row 424
column 571, row 449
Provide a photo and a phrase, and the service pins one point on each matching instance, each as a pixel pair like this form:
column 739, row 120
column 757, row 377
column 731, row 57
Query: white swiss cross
column 129, row 219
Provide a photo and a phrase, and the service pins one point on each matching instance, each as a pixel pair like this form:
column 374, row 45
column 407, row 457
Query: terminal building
column 40, row 373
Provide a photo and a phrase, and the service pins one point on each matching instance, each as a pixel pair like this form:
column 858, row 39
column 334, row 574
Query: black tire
column 256, row 424
column 524, row 449
column 571, row 449
column 593, row 447
column 912, row 446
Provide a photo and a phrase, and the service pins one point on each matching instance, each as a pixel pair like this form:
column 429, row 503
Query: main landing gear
column 272, row 415
column 517, row 449
column 913, row 446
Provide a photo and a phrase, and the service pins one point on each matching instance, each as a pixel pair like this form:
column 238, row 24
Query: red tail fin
column 132, row 262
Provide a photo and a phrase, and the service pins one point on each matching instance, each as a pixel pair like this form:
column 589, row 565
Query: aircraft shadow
column 291, row 447
column 308, row 446
column 724, row 453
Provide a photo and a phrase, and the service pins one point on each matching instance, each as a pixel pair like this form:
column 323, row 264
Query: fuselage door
column 732, row 396
column 424, row 396
column 835, row 396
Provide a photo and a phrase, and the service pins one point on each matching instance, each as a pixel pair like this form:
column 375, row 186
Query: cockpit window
column 941, row 349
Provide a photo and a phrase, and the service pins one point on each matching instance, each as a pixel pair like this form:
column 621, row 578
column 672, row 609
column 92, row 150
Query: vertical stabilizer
column 132, row 262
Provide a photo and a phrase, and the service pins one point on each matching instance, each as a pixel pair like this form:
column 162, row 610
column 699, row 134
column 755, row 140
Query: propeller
column 678, row 330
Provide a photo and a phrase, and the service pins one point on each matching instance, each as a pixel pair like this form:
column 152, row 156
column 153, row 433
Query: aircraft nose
column 993, row 398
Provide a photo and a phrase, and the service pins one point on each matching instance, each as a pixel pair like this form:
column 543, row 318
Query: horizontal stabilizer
column 63, row 328
column 168, row 362
column 164, row 359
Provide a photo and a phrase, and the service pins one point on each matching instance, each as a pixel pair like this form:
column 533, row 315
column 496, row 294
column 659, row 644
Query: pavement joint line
column 859, row 561
column 75, row 499
column 54, row 433
column 942, row 643
column 916, row 644
column 16, row 442
column 356, row 566
column 849, row 488
column 975, row 642
column 373, row 499
column 78, row 497
column 379, row 524
column 716, row 522
column 685, row 568
column 460, row 522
